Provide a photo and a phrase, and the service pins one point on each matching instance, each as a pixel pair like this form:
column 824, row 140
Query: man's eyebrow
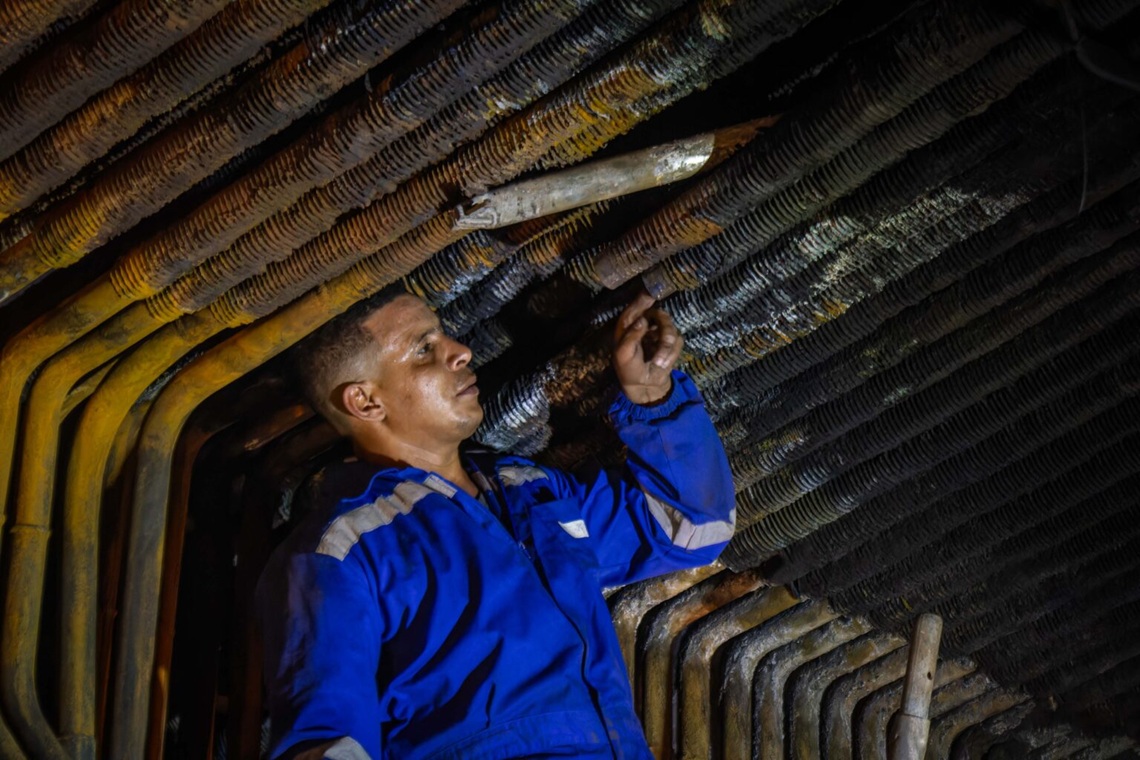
column 423, row 336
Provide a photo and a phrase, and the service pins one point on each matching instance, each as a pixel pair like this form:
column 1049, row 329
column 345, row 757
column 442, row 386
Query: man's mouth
column 469, row 388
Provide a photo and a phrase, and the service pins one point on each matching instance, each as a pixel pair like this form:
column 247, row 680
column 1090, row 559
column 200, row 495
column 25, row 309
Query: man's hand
column 646, row 346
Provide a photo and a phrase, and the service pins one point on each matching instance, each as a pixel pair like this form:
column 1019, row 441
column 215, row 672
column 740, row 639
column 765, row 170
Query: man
column 443, row 606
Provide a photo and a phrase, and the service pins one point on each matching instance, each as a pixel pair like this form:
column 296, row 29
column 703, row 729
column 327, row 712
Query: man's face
column 422, row 376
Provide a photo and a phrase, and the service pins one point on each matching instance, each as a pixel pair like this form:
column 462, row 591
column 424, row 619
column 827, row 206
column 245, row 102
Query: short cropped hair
column 330, row 356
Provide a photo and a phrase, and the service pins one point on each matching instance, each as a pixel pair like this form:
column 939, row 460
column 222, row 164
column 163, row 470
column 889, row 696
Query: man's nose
column 458, row 355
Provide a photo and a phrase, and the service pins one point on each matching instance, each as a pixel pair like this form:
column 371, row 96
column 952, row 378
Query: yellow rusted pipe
column 705, row 637
column 21, row 23
column 224, row 41
column 629, row 605
column 82, row 508
column 44, row 414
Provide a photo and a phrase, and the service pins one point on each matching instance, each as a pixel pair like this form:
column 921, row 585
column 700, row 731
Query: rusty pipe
column 912, row 724
column 669, row 620
column 22, row 22
column 231, row 36
column 840, row 704
column 162, row 169
column 43, row 417
column 990, row 704
column 802, row 142
column 881, row 711
column 740, row 661
column 61, row 77
column 704, row 637
column 810, row 689
column 771, row 676
column 630, row 604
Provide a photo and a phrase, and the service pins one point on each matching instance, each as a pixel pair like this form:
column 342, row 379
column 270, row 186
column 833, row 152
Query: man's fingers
column 629, row 341
column 669, row 340
column 632, row 313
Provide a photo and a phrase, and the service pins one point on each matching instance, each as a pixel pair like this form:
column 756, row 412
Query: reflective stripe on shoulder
column 345, row 531
column 344, row 748
column 686, row 534
column 516, row 476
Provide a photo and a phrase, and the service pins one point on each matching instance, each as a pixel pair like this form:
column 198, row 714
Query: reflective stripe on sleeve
column 686, row 534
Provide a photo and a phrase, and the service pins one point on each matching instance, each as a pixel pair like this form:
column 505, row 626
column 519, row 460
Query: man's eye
column 424, row 349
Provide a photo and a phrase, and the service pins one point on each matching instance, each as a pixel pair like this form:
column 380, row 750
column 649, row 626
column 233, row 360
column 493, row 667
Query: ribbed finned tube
column 841, row 341
column 1048, row 406
column 499, row 156
column 22, row 22
column 861, row 269
column 355, row 40
column 342, row 142
column 91, row 58
column 887, row 80
column 921, row 123
column 891, row 254
column 1039, row 460
column 1082, row 568
column 485, row 51
column 1054, row 638
column 882, row 203
column 996, row 536
column 930, row 385
column 225, row 40
column 974, row 295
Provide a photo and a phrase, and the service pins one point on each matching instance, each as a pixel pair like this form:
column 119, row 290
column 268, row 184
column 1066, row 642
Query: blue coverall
column 417, row 621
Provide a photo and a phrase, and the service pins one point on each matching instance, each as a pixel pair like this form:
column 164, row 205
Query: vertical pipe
column 912, row 725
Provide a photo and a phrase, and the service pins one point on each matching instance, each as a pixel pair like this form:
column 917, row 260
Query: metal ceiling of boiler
column 907, row 280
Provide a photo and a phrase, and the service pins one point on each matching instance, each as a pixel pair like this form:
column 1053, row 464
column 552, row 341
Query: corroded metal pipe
column 164, row 168
column 900, row 75
column 740, row 661
column 810, row 688
column 630, row 604
column 696, row 653
column 23, row 21
column 589, row 183
column 947, row 728
column 912, row 724
column 63, row 76
column 673, row 617
column 771, row 676
column 841, row 701
column 927, row 120
column 225, row 40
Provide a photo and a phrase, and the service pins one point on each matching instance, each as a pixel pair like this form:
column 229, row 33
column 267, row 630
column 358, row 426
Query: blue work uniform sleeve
column 322, row 630
column 672, row 506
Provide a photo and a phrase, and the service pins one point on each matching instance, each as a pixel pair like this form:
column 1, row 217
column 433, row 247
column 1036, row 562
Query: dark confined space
column 906, row 275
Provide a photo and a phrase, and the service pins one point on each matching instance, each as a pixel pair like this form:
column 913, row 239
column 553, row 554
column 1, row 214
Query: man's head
column 387, row 376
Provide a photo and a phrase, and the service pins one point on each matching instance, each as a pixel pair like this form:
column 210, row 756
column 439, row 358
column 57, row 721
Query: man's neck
column 447, row 464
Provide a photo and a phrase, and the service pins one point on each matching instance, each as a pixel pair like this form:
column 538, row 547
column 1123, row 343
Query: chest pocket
column 562, row 541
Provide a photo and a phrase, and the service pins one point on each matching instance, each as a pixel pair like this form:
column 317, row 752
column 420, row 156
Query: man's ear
column 362, row 401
